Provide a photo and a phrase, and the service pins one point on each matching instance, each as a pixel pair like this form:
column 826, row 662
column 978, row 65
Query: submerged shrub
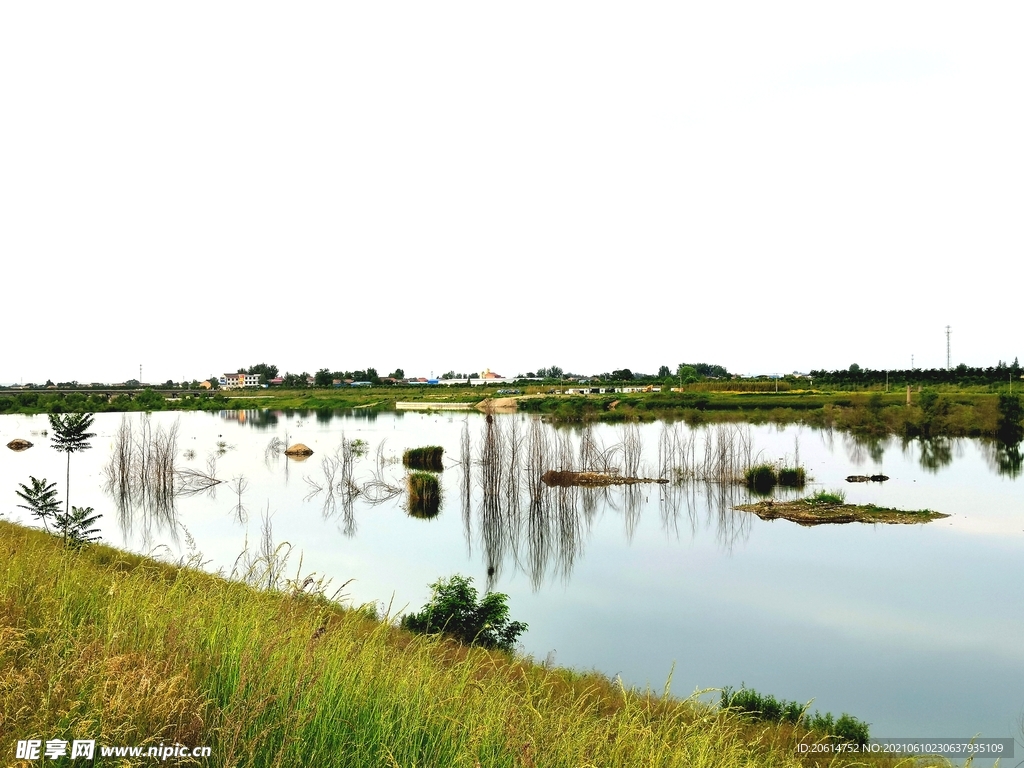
column 424, row 494
column 761, row 478
column 792, row 477
column 454, row 610
column 429, row 457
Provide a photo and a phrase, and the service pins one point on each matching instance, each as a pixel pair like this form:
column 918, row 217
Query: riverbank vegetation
column 101, row 644
column 940, row 411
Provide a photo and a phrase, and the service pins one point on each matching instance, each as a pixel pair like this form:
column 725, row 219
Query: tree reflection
column 1004, row 458
column 935, row 453
column 862, row 447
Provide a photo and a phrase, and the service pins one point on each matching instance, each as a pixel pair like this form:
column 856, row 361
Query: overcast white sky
column 198, row 186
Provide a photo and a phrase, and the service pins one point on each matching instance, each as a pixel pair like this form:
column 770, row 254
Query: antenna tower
column 948, row 366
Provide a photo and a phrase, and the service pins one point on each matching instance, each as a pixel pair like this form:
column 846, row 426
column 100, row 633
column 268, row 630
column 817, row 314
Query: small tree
column 454, row 610
column 42, row 500
column 76, row 528
column 70, row 435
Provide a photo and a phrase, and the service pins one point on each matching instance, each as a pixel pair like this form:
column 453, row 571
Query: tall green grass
column 102, row 644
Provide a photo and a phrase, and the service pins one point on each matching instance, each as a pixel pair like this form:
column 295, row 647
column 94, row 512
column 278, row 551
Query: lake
column 915, row 629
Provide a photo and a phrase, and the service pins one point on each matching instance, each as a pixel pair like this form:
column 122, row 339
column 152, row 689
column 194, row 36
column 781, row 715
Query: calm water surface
column 915, row 629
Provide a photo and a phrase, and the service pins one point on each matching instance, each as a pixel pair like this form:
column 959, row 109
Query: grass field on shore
column 102, row 644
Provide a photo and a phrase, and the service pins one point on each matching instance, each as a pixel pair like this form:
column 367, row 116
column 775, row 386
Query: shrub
column 424, row 494
column 767, row 708
column 761, row 478
column 792, row 477
column 429, row 457
column 454, row 610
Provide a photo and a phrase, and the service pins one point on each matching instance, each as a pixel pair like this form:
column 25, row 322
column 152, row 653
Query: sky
column 196, row 187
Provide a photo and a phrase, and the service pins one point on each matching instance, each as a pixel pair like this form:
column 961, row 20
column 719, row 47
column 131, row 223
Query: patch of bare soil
column 498, row 405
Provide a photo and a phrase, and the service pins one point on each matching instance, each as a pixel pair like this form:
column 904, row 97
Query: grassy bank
column 949, row 412
column 930, row 414
column 107, row 645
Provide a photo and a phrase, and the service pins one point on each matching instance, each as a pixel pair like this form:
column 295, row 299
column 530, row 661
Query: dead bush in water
column 726, row 456
column 141, row 473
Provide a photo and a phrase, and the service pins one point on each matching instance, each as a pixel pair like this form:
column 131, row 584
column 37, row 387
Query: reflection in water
column 859, row 448
column 256, row 418
column 1004, row 458
column 142, row 480
column 542, row 530
column 338, row 488
column 934, row 452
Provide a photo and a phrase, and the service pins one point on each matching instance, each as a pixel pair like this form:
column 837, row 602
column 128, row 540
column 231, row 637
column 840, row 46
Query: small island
column 830, row 508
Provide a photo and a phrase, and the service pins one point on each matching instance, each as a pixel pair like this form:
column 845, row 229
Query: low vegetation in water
column 424, row 494
column 826, row 507
column 766, row 708
column 835, row 496
column 792, row 477
column 761, row 478
column 429, row 458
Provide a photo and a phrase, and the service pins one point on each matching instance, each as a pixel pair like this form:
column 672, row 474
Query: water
column 915, row 629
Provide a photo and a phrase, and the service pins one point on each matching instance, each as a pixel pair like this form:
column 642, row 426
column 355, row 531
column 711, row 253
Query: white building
column 239, row 380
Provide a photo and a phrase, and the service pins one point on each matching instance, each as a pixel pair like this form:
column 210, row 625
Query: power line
column 948, row 365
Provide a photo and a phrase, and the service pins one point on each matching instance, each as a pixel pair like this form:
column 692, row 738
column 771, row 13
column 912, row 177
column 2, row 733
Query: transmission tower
column 948, row 365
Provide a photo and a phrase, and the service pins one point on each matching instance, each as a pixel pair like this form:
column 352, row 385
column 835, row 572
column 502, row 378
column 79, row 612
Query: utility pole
column 948, row 365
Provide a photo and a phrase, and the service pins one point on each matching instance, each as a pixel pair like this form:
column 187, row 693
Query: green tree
column 323, row 378
column 1011, row 413
column 42, row 499
column 265, row 370
column 455, row 611
column 76, row 527
column 150, row 400
column 687, row 374
column 70, row 435
column 296, row 380
column 664, row 372
column 398, row 373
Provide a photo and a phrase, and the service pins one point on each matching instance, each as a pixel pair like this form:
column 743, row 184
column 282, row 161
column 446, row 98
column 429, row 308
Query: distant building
column 239, row 380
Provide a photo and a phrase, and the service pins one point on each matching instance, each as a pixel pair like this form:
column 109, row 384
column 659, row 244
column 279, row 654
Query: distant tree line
column 961, row 374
